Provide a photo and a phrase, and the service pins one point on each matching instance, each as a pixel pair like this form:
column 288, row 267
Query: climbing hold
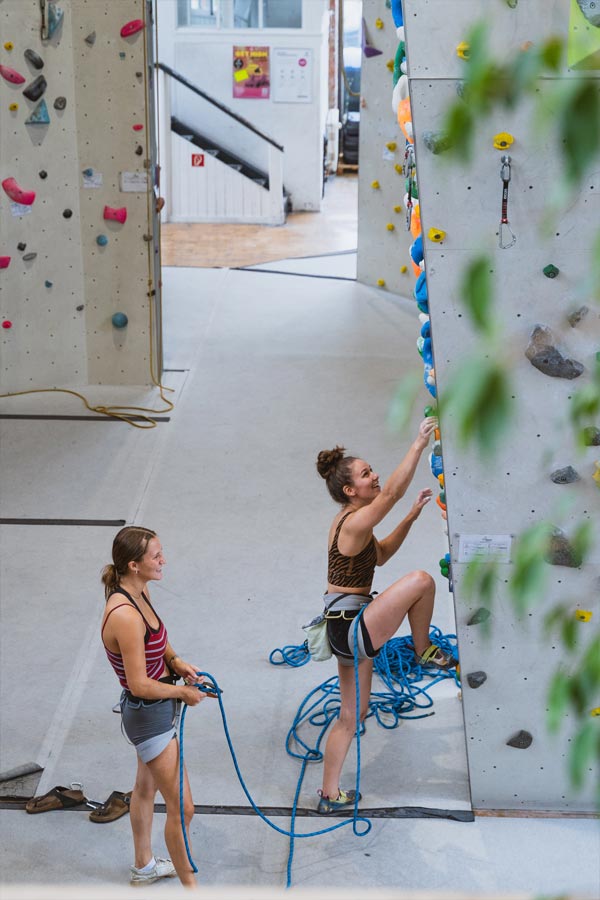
column 132, row 27
column 11, row 75
column 7, row 323
column 21, row 246
column 119, row 320
column 28, row 257
column 375, row 185
column 390, row 226
column 55, row 17
column 4, row 262
column 139, row 150
column 398, row 169
column 91, row 38
column 60, row 103
column 115, row 214
column 102, row 240
column 542, row 354
column 416, row 250
column 87, row 172
column 390, row 65
column 436, row 235
column 137, row 127
column 43, row 174
column 463, row 50
column 560, row 552
column 403, row 269
column 13, row 107
column 139, row 75
column 391, row 146
column 567, row 475
column 397, row 208
column 34, row 59
column 503, row 140
column 367, row 47
column 40, row 115
column 596, row 475
column 575, row 317
column 512, row 3
column 479, row 616
column 405, row 119
column 35, row 90
column 591, row 436
column 122, row 55
column 80, row 308
column 67, row 213
column 595, row 711
column 148, row 238
column 476, row 679
column 9, row 46
column 48, row 284
column 430, row 411
column 381, row 282
column 590, row 10
column 521, row 740
column 583, row 615
column 378, row 23
column 550, row 271
column 436, row 141
column 17, row 194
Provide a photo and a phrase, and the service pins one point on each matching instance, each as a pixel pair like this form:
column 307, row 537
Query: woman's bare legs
column 141, row 811
column 344, row 728
column 165, row 772
column 412, row 595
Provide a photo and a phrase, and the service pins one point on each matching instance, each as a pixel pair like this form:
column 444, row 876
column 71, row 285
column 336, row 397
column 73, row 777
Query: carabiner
column 505, row 169
column 504, row 232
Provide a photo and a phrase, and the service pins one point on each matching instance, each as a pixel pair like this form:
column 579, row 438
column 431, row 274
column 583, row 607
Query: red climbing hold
column 7, row 324
column 11, row 75
column 137, row 127
column 132, row 27
column 4, row 262
column 16, row 193
column 115, row 215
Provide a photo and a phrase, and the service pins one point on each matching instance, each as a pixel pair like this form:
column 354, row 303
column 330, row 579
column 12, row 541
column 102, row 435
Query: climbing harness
column 506, row 236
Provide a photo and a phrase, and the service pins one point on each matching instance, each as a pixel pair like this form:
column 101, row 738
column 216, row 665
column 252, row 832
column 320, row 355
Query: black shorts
column 340, row 632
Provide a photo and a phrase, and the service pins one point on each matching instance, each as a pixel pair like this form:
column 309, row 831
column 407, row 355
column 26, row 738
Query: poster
column 292, row 75
column 251, row 78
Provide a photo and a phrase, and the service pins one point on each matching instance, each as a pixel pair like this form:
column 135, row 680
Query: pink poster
column 251, row 77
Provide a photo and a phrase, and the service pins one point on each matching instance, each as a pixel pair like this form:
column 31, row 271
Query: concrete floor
column 274, row 367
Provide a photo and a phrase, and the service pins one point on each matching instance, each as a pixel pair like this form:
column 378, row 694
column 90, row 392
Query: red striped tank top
column 155, row 644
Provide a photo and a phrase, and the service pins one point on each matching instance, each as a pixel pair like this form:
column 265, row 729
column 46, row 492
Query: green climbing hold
column 479, row 616
column 550, row 271
column 430, row 411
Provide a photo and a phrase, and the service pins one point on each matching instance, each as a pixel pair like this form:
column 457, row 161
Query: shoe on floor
column 162, row 868
column 344, row 800
column 434, row 658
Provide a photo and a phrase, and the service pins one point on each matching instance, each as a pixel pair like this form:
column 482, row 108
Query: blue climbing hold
column 119, row 320
column 427, row 353
column 55, row 17
column 40, row 115
column 88, row 173
column 416, row 250
column 426, row 329
column 397, row 13
column 102, row 240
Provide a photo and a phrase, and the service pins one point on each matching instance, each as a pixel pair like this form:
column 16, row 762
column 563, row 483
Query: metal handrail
column 188, row 84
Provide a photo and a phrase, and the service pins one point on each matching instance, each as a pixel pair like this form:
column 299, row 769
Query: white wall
column 205, row 58
column 506, row 495
column 51, row 342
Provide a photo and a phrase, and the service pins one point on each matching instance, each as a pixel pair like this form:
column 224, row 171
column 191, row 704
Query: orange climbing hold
column 405, row 119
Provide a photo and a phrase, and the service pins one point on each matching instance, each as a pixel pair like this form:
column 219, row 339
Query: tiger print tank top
column 351, row 571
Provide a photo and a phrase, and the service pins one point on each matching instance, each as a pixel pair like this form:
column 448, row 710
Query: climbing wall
column 77, row 240
column 383, row 238
column 551, row 338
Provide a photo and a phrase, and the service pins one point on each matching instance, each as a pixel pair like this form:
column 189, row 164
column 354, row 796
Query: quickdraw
column 409, row 171
column 506, row 236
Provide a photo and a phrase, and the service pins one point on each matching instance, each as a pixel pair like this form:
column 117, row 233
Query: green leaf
column 580, row 129
column 583, row 752
column 529, row 574
column 558, row 699
column 552, row 53
column 403, row 402
column 477, row 292
column 479, row 398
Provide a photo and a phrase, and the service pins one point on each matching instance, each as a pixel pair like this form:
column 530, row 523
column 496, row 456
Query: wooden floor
column 332, row 230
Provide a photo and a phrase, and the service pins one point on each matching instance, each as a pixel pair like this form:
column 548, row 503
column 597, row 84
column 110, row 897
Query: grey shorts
column 148, row 724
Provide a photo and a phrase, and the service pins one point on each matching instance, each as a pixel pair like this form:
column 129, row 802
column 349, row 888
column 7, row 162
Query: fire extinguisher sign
column 197, row 159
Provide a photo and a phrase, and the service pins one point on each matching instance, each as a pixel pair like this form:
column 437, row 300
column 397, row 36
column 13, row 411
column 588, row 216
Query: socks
column 147, row 867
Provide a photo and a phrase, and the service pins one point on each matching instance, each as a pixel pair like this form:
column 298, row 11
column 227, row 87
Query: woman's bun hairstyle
column 328, row 460
column 129, row 545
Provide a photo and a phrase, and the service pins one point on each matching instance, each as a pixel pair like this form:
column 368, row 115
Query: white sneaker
column 162, row 868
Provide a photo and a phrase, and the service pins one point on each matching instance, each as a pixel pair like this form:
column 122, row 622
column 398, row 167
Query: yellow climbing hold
column 595, row 712
column 596, row 475
column 381, row 282
column 398, row 169
column 390, row 226
column 583, row 615
column 378, row 23
column 398, row 208
column 436, row 235
column 503, row 140
column 13, row 107
column 9, row 45
column 463, row 50
column 404, row 269
column 375, row 184
column 390, row 64
column 440, row 478
column 391, row 145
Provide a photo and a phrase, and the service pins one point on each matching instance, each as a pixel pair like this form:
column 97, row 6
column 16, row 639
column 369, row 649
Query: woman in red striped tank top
column 353, row 554
column 138, row 648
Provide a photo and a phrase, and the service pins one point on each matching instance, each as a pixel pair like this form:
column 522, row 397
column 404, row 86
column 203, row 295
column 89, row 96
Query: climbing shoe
column 345, row 799
column 434, row 658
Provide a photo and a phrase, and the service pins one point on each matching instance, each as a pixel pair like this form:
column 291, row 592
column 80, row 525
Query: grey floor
column 267, row 367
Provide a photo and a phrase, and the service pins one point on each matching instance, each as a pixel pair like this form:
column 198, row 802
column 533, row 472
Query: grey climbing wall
column 489, row 503
column 382, row 251
column 87, row 157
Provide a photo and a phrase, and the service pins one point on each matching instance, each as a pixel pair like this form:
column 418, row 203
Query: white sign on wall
column 291, row 75
column 484, row 547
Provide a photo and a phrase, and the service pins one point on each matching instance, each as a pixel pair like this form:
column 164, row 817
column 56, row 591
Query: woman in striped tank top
column 353, row 554
column 148, row 669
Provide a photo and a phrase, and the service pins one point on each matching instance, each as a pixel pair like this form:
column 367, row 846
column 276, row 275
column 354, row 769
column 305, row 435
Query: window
column 239, row 13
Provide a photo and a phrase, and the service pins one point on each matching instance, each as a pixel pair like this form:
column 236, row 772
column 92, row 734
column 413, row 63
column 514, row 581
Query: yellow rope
column 130, row 413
